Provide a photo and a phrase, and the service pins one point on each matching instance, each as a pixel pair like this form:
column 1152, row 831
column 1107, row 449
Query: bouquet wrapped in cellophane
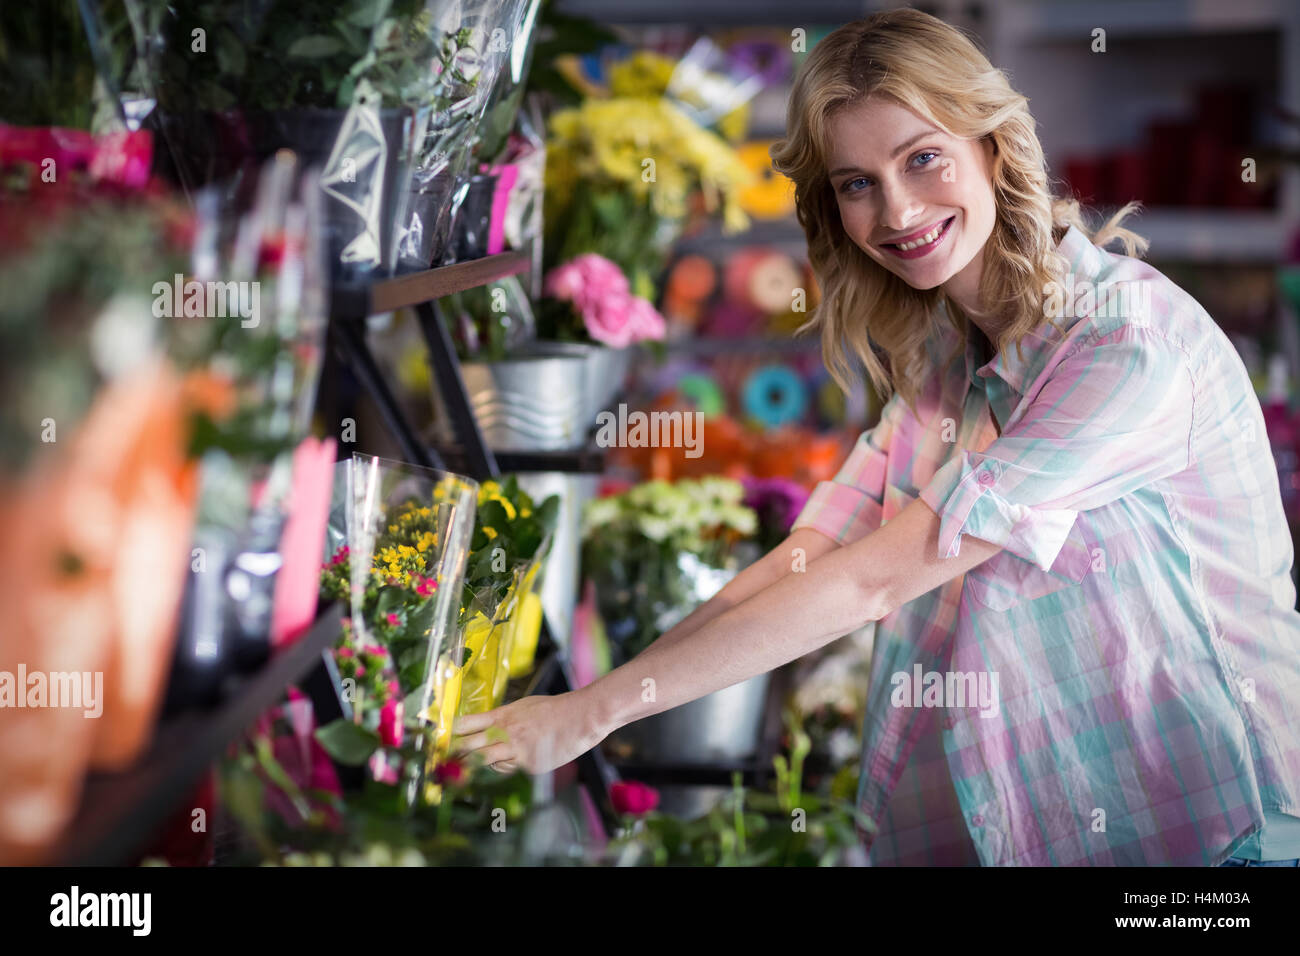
column 501, row 610
column 399, row 544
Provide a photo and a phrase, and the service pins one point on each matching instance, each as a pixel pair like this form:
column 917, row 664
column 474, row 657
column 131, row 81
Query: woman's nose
column 899, row 208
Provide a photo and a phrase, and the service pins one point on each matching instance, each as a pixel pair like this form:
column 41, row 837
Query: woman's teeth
column 925, row 240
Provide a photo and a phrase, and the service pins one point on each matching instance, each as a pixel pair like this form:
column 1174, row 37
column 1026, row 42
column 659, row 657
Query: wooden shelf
column 415, row 288
column 122, row 812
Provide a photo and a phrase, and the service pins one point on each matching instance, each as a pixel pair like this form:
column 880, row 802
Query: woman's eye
column 851, row 185
column 925, row 158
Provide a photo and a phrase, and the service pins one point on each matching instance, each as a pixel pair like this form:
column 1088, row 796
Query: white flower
column 843, row 745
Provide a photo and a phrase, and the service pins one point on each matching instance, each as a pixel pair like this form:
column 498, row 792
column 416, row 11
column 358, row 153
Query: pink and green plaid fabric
column 1140, row 619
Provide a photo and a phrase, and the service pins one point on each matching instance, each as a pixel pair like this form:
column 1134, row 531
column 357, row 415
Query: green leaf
column 419, row 622
column 315, row 47
column 549, row 513
column 492, row 515
column 368, row 13
column 390, row 599
column 230, row 53
column 348, row 743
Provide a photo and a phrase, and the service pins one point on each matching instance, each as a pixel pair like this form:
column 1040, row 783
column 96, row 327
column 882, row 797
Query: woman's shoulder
column 1111, row 293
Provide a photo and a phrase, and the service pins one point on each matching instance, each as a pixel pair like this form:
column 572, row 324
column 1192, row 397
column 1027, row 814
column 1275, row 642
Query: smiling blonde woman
column 1067, row 504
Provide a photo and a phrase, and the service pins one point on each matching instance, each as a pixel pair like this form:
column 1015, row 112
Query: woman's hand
column 535, row 733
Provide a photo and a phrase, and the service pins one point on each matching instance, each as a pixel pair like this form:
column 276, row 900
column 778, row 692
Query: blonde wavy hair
column 933, row 69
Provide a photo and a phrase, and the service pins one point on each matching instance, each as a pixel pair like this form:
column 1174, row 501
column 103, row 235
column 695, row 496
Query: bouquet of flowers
column 400, row 573
column 658, row 550
column 596, row 291
column 622, row 169
column 114, row 411
column 501, row 611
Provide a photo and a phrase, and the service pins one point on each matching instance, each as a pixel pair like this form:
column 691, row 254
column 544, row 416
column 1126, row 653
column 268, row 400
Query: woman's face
column 918, row 201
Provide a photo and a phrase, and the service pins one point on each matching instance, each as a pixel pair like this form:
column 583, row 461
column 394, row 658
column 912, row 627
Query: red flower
column 344, row 652
column 390, row 723
column 453, row 771
column 634, row 798
column 394, row 620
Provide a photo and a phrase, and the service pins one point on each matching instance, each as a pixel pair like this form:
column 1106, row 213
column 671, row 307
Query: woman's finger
column 471, row 743
column 499, row 753
column 470, row 723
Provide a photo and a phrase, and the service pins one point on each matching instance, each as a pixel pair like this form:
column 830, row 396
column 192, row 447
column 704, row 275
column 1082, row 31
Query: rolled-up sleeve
column 1116, row 414
column 848, row 507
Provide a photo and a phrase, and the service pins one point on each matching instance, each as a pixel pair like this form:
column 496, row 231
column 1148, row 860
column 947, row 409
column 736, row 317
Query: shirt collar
column 1083, row 261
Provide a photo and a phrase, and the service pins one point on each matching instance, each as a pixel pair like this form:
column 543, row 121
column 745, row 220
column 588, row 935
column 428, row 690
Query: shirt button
column 986, row 478
column 978, row 819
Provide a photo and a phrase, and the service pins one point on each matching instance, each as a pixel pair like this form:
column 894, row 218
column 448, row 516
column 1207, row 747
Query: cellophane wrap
column 480, row 41
column 402, row 547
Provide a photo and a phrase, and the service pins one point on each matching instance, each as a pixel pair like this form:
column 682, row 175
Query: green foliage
column 281, row 54
column 788, row 827
column 644, row 547
column 47, row 75
column 506, row 540
column 348, row 743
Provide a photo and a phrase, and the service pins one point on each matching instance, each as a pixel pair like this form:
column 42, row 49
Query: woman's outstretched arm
column 796, row 613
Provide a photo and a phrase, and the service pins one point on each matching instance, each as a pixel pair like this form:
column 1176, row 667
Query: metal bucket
column 544, row 399
column 723, row 727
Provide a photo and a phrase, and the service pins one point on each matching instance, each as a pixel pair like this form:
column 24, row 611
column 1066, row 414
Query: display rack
column 121, row 813
column 349, row 310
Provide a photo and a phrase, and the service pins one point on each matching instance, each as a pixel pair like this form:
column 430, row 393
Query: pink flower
column 564, row 282
column 345, row 652
column 361, row 670
column 633, row 798
column 394, row 620
column 393, row 688
column 381, row 768
column 646, row 321
column 610, row 321
column 586, row 280
column 390, row 723
column 452, row 771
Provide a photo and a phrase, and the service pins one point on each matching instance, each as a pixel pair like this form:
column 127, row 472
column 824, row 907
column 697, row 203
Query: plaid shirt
column 1140, row 620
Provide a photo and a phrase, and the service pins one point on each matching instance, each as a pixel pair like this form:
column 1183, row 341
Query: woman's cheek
column 857, row 222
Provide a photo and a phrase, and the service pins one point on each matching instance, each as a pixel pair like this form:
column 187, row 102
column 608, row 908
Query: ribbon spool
column 771, row 195
column 691, row 281
column 834, row 407
column 774, row 395
column 702, row 390
column 763, row 280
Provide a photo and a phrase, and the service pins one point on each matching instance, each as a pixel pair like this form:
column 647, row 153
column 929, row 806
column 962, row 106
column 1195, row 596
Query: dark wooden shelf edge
column 121, row 812
column 414, row 288
column 590, row 460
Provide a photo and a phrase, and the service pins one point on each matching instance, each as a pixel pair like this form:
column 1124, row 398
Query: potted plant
column 338, row 82
column 656, row 552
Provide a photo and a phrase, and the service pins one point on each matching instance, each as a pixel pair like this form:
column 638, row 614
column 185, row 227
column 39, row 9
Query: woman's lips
column 920, row 243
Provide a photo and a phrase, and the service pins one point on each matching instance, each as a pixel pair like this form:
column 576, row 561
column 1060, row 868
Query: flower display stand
column 349, row 308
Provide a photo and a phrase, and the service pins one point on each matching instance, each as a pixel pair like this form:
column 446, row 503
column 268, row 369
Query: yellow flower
column 644, row 73
column 490, row 532
column 510, row 509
